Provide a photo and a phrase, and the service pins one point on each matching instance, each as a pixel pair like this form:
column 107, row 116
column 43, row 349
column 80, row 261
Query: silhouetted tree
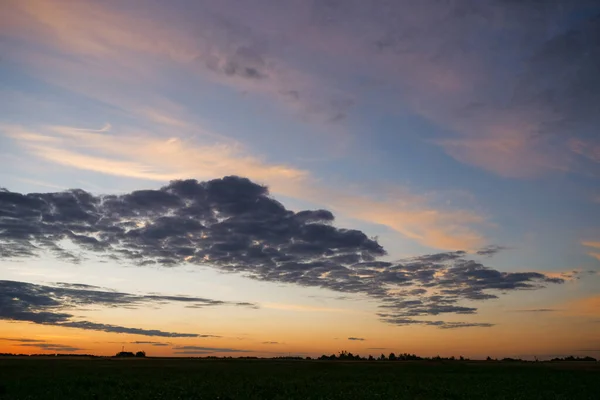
column 140, row 354
column 392, row 357
column 371, row 358
column 571, row 358
column 382, row 357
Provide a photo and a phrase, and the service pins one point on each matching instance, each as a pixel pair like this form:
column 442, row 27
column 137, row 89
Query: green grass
column 50, row 378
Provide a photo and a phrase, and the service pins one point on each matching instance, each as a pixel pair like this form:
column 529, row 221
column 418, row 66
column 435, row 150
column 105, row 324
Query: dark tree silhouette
column 140, row 354
column 392, row 357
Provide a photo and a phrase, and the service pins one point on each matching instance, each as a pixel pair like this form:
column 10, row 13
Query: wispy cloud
column 357, row 339
column 593, row 245
column 52, row 347
column 54, row 305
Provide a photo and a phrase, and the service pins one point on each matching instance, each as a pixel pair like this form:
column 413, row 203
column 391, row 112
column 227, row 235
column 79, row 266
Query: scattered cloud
column 270, row 343
column 356, row 338
column 232, row 224
column 52, row 305
column 539, row 310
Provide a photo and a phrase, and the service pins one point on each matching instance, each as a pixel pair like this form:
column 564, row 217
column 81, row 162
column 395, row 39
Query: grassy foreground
column 51, row 378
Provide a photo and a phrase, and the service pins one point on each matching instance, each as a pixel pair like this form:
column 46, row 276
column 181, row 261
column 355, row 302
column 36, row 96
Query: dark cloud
column 271, row 343
column 52, row 347
column 538, row 310
column 120, row 329
column 48, row 305
column 490, row 250
column 356, row 338
column 232, row 224
column 392, row 319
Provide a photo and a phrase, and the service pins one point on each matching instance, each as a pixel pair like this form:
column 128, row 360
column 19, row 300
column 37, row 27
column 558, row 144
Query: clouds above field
column 232, row 224
column 56, row 305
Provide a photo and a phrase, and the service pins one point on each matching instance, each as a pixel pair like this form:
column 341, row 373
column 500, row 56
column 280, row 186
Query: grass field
column 52, row 378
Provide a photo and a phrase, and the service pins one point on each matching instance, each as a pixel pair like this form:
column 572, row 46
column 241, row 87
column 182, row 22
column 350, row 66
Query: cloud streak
column 52, row 347
column 52, row 305
column 595, row 246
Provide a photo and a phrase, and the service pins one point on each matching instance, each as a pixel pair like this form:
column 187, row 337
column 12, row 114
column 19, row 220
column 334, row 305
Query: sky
column 267, row 178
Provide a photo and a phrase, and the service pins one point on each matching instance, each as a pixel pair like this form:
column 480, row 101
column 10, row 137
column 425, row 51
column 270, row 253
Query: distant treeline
column 571, row 358
column 341, row 356
column 346, row 356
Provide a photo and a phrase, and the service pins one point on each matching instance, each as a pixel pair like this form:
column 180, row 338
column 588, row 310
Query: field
column 58, row 378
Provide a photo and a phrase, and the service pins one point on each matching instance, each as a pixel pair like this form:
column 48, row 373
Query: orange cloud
column 595, row 255
column 594, row 245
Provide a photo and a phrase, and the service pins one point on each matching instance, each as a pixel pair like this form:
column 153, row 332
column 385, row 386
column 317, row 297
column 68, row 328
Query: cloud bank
column 232, row 224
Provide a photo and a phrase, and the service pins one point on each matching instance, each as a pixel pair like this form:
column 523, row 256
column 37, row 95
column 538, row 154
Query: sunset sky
column 265, row 178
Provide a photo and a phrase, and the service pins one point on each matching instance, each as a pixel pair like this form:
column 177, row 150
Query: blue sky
column 436, row 128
